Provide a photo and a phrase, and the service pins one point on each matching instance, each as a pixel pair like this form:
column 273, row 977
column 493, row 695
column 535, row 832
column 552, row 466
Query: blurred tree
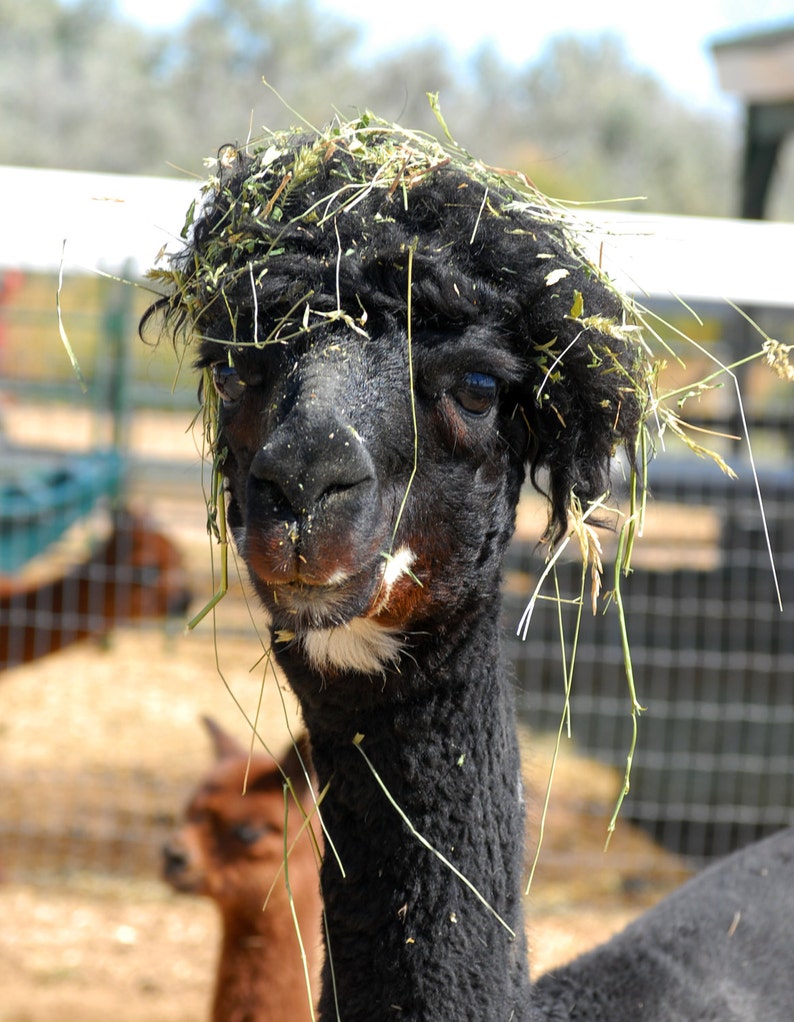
column 396, row 87
column 74, row 81
column 218, row 63
column 615, row 132
column 82, row 88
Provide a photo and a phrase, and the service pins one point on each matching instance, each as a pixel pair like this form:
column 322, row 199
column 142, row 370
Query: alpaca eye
column 477, row 393
column 227, row 382
column 248, row 833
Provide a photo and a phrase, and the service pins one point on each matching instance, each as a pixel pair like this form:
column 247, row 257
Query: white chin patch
column 361, row 645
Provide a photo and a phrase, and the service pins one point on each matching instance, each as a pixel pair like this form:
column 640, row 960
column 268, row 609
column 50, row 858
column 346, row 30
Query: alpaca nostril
column 342, row 489
column 174, row 860
column 301, row 495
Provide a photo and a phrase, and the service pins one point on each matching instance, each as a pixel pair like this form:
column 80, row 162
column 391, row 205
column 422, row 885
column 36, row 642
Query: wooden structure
column 758, row 67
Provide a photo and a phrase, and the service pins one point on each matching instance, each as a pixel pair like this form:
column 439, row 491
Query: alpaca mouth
column 341, row 598
column 182, row 881
column 309, row 605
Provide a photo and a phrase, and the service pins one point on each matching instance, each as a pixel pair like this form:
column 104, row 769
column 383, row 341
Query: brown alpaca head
column 231, row 844
column 139, row 574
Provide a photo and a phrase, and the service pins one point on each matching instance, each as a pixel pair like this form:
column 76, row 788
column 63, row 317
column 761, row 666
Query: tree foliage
column 630, row 136
column 82, row 88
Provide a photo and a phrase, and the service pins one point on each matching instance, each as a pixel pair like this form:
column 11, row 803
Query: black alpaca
column 393, row 335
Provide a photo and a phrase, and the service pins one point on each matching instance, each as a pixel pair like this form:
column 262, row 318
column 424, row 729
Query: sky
column 671, row 39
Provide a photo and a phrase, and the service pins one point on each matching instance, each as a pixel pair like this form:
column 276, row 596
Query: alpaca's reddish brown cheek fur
column 420, row 590
column 406, row 600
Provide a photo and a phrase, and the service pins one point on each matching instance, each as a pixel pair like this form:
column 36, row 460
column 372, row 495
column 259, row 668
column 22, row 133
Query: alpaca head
column 230, row 846
column 392, row 336
column 141, row 573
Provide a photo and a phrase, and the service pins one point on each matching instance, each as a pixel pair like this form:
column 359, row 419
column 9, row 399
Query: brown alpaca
column 231, row 849
column 137, row 573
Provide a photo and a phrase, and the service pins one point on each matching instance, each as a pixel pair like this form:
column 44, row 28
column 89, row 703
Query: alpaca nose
column 307, row 462
column 174, row 859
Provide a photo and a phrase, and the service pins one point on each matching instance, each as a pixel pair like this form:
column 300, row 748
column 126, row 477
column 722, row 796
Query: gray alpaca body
column 719, row 949
column 373, row 450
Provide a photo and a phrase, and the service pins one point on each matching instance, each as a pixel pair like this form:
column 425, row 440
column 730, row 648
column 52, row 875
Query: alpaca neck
column 408, row 939
column 260, row 976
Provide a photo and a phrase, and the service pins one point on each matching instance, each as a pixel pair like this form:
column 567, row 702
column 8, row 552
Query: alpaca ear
column 223, row 744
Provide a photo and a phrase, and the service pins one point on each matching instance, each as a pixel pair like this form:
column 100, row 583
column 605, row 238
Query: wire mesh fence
column 712, row 651
column 712, row 656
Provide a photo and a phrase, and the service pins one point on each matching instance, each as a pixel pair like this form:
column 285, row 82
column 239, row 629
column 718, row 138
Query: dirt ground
column 99, row 746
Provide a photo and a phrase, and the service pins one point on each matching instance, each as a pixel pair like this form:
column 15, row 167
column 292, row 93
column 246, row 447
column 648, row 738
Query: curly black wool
column 306, row 227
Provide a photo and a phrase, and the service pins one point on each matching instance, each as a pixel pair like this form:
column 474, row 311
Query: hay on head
column 301, row 229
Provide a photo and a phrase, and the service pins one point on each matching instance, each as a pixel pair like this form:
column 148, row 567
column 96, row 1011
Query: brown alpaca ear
column 223, row 744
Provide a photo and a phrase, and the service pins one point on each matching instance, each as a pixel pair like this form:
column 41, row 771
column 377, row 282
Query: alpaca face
column 230, row 846
column 371, row 488
column 392, row 337
column 146, row 575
